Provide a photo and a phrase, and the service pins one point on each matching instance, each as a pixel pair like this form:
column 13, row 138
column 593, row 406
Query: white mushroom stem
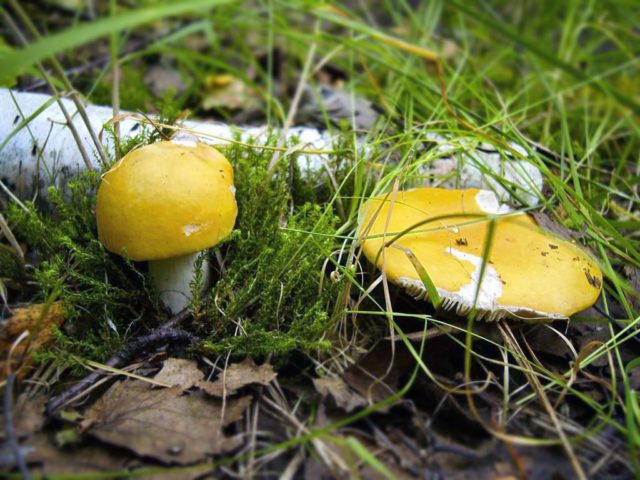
column 43, row 152
column 174, row 277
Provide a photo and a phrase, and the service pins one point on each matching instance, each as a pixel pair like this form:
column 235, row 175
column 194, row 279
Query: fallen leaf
column 237, row 376
column 39, row 321
column 337, row 106
column 633, row 275
column 378, row 374
column 164, row 424
column 27, row 415
column 345, row 398
column 179, row 372
column 46, row 458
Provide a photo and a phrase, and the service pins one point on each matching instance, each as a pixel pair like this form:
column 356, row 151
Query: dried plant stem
column 167, row 333
column 293, row 109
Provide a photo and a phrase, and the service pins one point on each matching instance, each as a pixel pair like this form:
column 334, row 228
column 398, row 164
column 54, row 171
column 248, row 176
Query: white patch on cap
column 232, row 189
column 490, row 289
column 488, row 202
column 185, row 141
column 191, row 229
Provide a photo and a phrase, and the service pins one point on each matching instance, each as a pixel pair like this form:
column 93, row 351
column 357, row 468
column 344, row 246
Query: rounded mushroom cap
column 529, row 273
column 165, row 200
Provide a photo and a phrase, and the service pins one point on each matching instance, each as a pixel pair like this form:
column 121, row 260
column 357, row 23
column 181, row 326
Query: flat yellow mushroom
column 529, row 274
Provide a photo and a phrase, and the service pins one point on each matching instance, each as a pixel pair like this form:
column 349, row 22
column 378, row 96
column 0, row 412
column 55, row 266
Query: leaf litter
column 237, row 376
column 164, row 424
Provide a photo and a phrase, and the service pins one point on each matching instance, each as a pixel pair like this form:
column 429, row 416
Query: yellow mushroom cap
column 529, row 273
column 166, row 200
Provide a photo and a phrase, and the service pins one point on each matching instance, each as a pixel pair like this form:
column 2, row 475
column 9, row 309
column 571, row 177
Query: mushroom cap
column 165, row 200
column 529, row 273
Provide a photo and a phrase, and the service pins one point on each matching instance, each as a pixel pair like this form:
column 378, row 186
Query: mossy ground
column 269, row 295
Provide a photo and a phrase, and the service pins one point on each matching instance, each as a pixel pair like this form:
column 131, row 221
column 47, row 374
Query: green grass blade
column 366, row 456
column 432, row 291
column 16, row 62
column 534, row 47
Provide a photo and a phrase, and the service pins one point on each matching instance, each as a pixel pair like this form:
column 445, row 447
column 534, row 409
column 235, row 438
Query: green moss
column 104, row 294
column 269, row 300
column 10, row 265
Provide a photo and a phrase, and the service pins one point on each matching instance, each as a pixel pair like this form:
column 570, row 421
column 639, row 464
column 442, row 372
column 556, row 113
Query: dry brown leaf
column 179, row 372
column 345, row 398
column 379, row 373
column 164, row 424
column 633, row 275
column 39, row 320
column 90, row 457
column 28, row 318
column 237, row 376
column 27, row 415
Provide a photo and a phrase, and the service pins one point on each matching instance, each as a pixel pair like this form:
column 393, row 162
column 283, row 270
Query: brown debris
column 179, row 372
column 164, row 424
column 38, row 320
column 27, row 415
column 237, row 376
column 345, row 398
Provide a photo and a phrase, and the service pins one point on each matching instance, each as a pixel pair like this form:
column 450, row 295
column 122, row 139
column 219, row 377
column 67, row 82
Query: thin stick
column 164, row 334
column 115, row 84
column 293, row 109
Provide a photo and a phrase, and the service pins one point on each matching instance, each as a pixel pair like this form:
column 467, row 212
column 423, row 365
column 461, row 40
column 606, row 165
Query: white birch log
column 44, row 152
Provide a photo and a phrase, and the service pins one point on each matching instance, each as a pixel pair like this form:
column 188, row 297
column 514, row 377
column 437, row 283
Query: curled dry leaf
column 345, row 398
column 237, row 376
column 179, row 372
column 38, row 320
column 380, row 372
column 164, row 424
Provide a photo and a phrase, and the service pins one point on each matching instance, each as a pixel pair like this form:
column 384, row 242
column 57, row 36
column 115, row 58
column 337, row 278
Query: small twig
column 467, row 455
column 614, row 323
column 10, row 431
column 115, row 84
column 167, row 333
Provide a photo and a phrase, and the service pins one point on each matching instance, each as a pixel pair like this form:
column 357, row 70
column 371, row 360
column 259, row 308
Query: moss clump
column 10, row 265
column 269, row 300
column 104, row 294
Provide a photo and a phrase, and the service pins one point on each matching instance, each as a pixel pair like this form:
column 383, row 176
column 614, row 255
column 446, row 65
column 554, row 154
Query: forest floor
column 302, row 360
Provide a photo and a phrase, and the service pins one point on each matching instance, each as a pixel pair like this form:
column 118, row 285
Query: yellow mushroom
column 164, row 203
column 529, row 273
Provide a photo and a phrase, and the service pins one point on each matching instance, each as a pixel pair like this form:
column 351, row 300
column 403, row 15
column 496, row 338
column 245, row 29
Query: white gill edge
column 487, row 302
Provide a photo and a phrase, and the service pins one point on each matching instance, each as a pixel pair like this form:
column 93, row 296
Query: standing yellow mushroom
column 165, row 203
column 528, row 274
